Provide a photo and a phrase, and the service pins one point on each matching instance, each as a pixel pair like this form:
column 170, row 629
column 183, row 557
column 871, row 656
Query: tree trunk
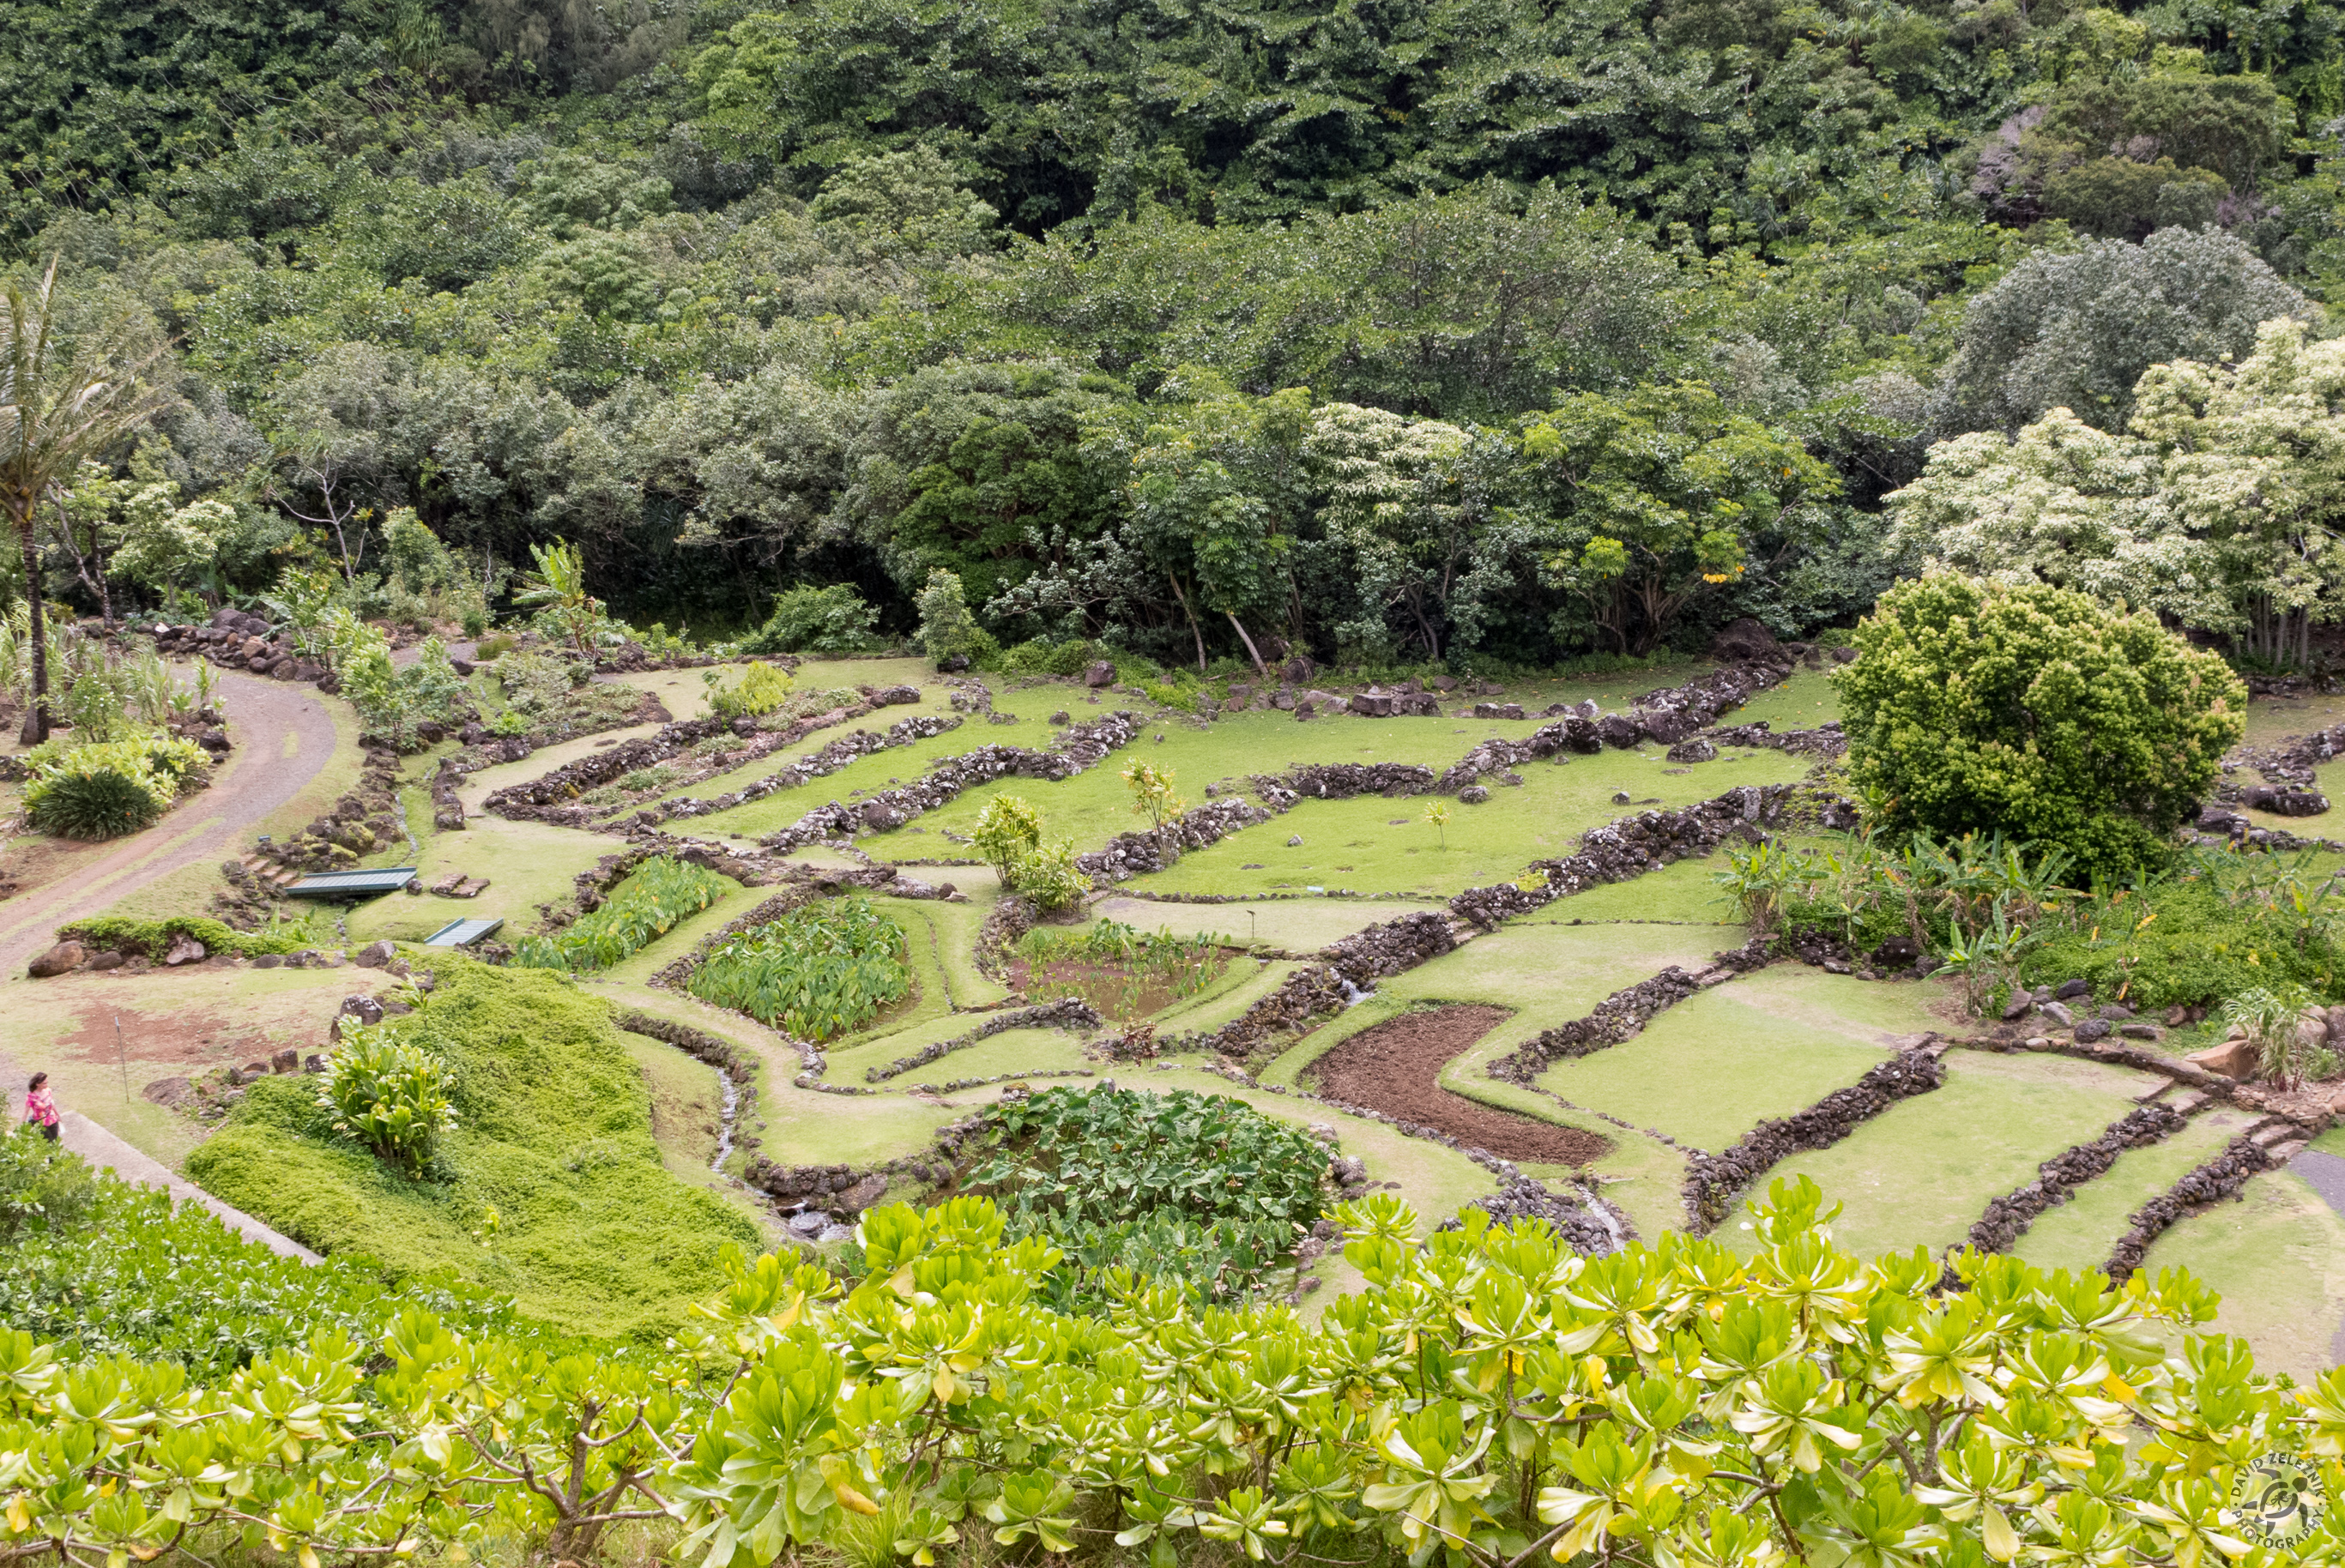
column 1252, row 652
column 1194, row 629
column 36, row 711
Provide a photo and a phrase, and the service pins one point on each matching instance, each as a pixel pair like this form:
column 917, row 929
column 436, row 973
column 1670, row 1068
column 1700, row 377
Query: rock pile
column 830, row 760
column 1345, row 781
column 1354, row 963
column 1583, row 1228
column 237, row 639
column 1827, row 739
column 549, row 797
column 1713, row 1179
column 1129, row 854
column 2225, row 1176
column 1068, row 1013
column 1623, row 1014
column 1617, row 851
column 367, row 819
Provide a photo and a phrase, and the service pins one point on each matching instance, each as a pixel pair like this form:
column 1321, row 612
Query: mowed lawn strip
column 1923, row 1170
column 2081, row 1233
column 2277, row 1259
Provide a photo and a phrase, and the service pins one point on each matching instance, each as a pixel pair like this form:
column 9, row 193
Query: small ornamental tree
column 947, row 630
column 2030, row 711
column 1007, row 830
column 1153, row 794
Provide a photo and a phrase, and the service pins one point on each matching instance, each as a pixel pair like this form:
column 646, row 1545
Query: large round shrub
column 2034, row 712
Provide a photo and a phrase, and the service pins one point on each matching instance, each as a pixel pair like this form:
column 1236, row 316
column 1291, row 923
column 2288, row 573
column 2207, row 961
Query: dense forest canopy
column 1476, row 331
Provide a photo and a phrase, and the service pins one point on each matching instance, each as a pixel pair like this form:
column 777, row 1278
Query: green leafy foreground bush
column 1488, row 1398
column 817, row 973
column 653, row 897
column 549, row 1188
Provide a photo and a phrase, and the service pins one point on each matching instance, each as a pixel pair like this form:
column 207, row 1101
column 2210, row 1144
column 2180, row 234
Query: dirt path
column 1395, row 1068
column 2325, row 1174
column 284, row 739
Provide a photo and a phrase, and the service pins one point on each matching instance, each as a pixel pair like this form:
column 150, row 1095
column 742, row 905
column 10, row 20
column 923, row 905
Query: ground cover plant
column 152, row 939
column 653, row 897
column 1201, row 1190
column 548, row 1187
column 818, row 972
column 1125, row 972
column 125, row 1272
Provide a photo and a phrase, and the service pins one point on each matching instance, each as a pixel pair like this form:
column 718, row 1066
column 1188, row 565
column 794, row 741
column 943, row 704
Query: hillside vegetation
column 1430, row 332
column 550, row 1187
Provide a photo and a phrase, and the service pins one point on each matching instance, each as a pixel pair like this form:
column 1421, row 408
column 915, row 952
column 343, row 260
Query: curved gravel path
column 284, row 738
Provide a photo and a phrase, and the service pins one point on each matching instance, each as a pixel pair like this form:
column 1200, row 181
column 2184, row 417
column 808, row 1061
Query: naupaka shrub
column 1488, row 1398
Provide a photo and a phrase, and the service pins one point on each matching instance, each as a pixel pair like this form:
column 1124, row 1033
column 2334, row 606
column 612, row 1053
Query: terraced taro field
column 1536, row 991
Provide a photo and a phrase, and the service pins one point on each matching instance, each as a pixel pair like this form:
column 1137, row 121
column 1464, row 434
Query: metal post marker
column 123, row 1056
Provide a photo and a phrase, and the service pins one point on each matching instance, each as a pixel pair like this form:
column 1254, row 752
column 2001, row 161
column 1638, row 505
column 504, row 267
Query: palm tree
column 52, row 416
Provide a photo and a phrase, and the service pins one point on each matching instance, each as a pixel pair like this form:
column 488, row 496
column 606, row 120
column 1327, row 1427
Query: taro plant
column 655, row 896
column 393, row 1096
column 1183, row 964
column 816, row 973
column 1103, row 1155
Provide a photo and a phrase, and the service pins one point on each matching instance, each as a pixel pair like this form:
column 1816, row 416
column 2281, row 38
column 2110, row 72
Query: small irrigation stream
column 726, row 1116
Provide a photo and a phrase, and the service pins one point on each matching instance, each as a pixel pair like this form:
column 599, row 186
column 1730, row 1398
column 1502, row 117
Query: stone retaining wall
column 1712, row 1180
column 1623, row 1014
column 1079, row 747
column 1070, row 1013
column 2225, row 1176
column 2008, row 1217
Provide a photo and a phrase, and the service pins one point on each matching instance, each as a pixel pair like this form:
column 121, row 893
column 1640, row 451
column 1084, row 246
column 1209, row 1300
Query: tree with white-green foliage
column 2215, row 510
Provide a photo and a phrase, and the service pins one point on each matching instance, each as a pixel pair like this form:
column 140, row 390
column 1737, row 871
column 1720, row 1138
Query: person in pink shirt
column 41, row 1106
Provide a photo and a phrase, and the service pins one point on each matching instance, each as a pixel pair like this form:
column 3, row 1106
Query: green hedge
column 153, row 938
